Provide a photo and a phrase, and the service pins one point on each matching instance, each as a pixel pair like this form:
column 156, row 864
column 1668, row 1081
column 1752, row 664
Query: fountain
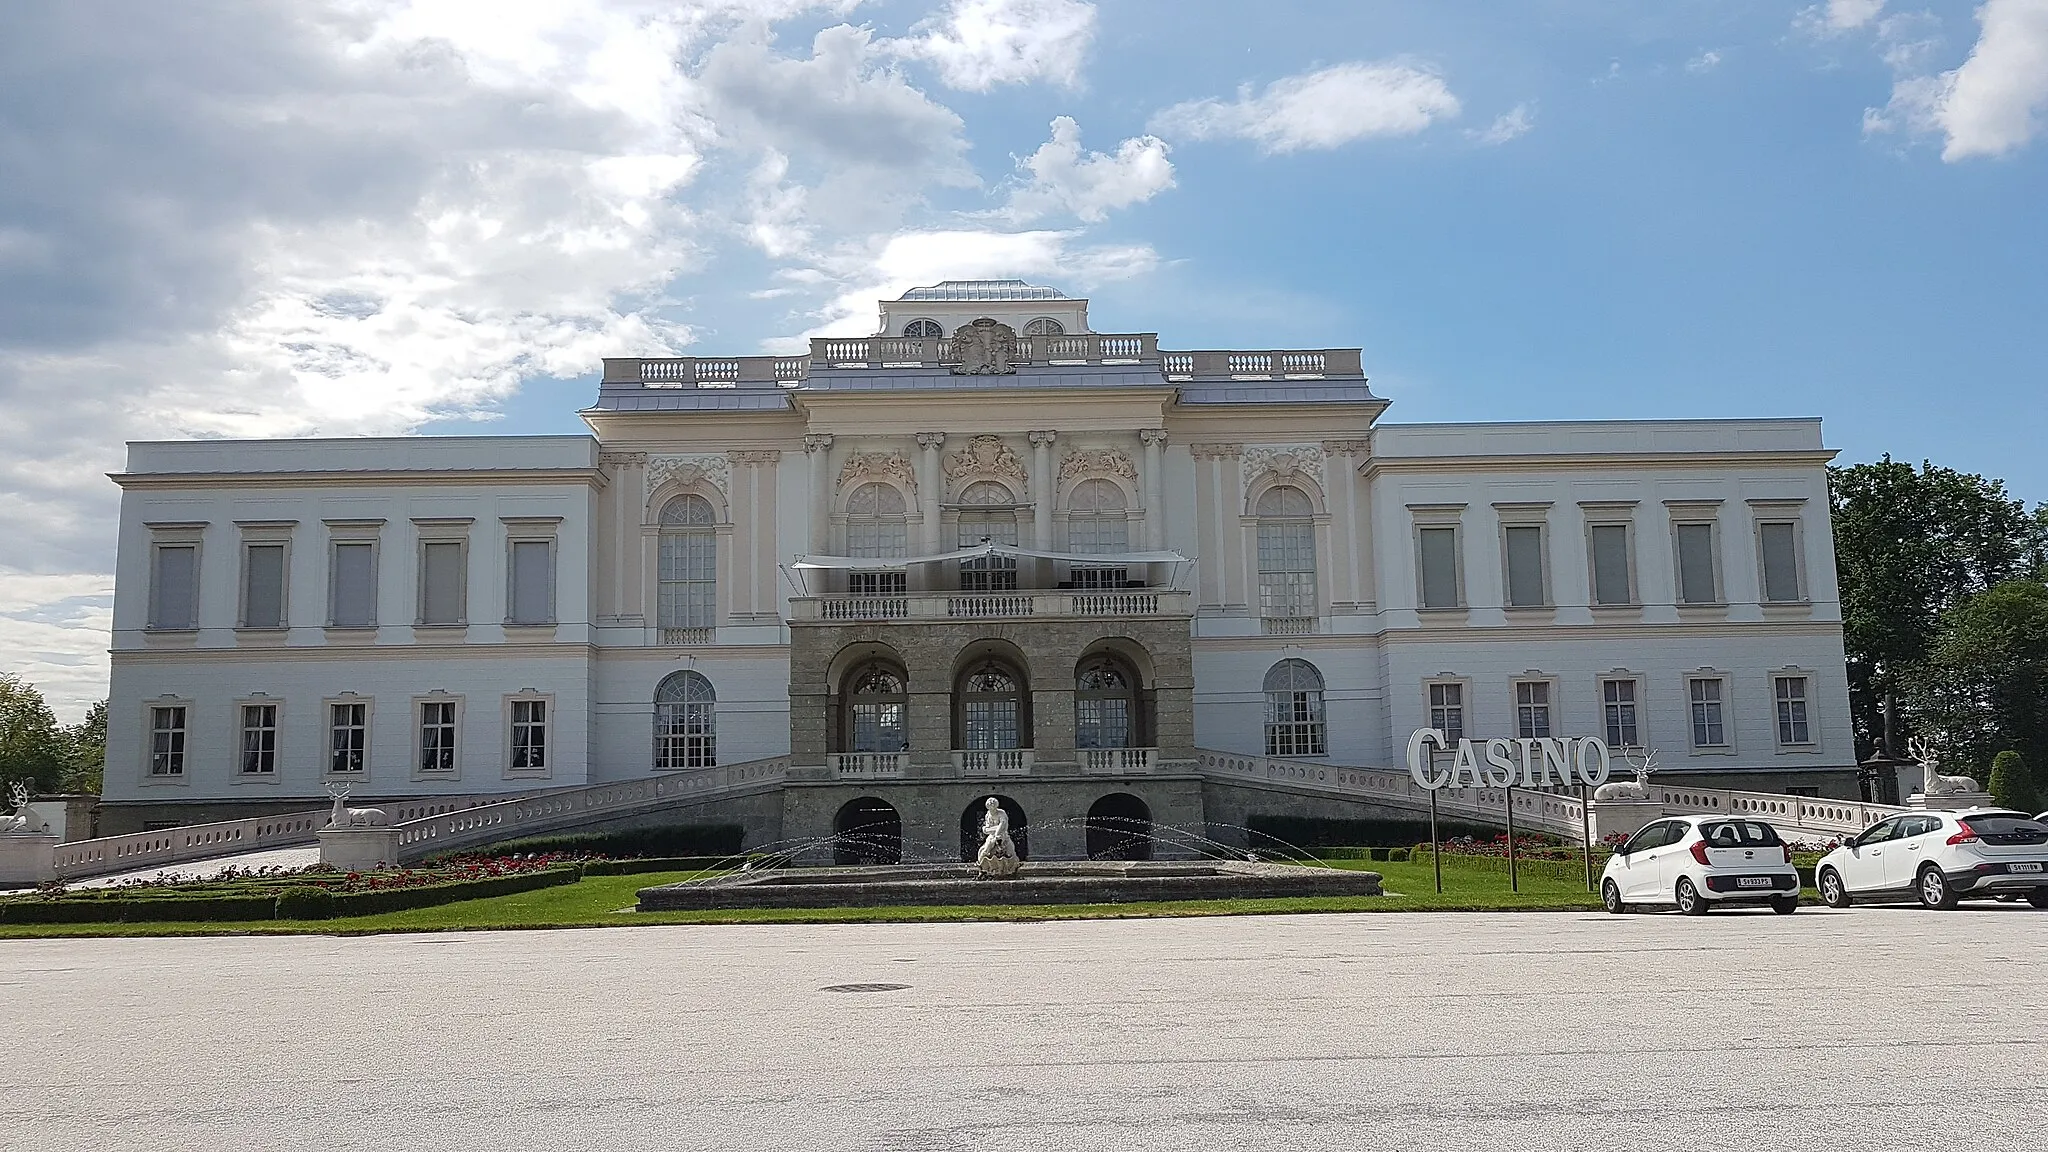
column 998, row 876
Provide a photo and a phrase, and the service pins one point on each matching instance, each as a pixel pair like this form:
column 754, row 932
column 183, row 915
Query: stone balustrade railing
column 1081, row 348
column 1118, row 761
column 869, row 765
column 970, row 762
column 989, row 605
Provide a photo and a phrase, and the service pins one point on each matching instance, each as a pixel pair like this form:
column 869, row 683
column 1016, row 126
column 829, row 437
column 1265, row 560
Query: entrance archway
column 1119, row 828
column 970, row 827
column 869, row 831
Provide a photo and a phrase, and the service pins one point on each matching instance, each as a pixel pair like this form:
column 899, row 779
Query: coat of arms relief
column 985, row 348
column 985, row 458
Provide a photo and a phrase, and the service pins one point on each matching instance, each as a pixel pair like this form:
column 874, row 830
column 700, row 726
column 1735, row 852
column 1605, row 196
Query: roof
column 984, row 290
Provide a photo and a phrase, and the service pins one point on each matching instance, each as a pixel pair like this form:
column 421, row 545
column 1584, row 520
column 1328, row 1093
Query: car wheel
column 1934, row 890
column 1833, row 892
column 1689, row 899
column 1784, row 905
column 2038, row 898
column 1610, row 895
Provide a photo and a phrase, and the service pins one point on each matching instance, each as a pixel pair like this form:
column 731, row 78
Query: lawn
column 606, row 901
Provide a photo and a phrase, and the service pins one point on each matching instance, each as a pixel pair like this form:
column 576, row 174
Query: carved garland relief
column 1098, row 462
column 687, row 470
column 864, row 467
column 1287, row 463
column 985, row 458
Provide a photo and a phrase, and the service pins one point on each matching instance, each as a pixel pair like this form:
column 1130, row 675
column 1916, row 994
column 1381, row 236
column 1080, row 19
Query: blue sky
column 227, row 218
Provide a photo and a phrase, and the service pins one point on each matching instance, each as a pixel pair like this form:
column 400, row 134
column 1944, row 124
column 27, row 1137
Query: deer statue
column 1637, row 789
column 344, row 816
column 25, row 818
column 1932, row 782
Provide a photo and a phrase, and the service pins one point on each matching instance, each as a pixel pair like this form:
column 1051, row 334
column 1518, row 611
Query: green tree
column 32, row 746
column 1985, row 685
column 88, row 740
column 2011, row 784
column 1910, row 544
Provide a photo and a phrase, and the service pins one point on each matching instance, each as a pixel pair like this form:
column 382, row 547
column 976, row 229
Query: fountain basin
column 1040, row 882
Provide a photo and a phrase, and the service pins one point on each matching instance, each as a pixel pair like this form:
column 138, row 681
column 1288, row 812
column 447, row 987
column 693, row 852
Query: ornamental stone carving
column 1215, row 451
column 756, row 456
column 1347, row 447
column 687, row 470
column 1098, row 462
column 622, row 459
column 1152, row 436
column 985, row 348
column 1287, row 463
column 817, row 441
column 985, row 458
column 931, row 441
column 888, row 467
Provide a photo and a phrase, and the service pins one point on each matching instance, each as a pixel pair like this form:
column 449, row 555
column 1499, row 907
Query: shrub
column 1397, row 855
column 668, row 840
column 2011, row 784
column 1329, row 832
column 305, row 902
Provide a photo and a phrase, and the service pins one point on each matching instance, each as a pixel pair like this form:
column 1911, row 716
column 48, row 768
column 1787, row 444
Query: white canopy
column 885, row 563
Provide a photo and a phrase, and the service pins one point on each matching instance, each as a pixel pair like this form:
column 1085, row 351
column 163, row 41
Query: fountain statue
column 1932, row 782
column 997, row 859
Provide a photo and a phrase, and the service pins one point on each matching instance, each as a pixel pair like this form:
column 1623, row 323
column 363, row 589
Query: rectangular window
column 263, row 586
column 1610, row 565
column 1525, row 567
column 1696, row 563
column 1447, row 710
column 175, row 603
column 443, row 575
column 259, row 739
column 1099, row 579
column 1287, row 568
column 1708, row 730
column 529, row 735
column 1618, row 708
column 533, row 582
column 877, row 583
column 689, row 579
column 989, row 573
column 349, row 737
column 1098, row 535
column 877, row 539
column 354, row 586
column 1532, row 709
column 437, row 736
column 1792, row 725
column 1439, row 553
column 167, row 740
column 1779, row 542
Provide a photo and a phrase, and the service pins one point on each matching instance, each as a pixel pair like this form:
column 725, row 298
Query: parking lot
column 1890, row 1028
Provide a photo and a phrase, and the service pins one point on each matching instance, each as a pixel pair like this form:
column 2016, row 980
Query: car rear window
column 1738, row 834
column 2005, row 824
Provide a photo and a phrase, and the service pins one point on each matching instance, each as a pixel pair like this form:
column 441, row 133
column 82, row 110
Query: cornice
column 592, row 477
column 1516, row 463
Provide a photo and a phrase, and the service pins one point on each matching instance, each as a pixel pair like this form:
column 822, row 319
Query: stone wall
column 1054, row 809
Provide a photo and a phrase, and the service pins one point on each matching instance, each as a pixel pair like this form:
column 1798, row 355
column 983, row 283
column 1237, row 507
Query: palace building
column 988, row 549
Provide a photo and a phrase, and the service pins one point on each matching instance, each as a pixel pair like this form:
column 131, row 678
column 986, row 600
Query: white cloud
column 979, row 44
column 1992, row 104
column 43, row 617
column 1064, row 177
column 1844, row 15
column 1322, row 109
column 1704, row 62
column 1505, row 127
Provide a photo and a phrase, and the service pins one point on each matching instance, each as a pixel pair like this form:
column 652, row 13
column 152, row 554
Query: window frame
column 1612, row 514
column 419, row 735
column 265, row 536
column 698, row 750
column 1431, row 708
column 1305, row 732
column 157, row 547
column 328, row 728
column 354, row 533
column 1549, row 704
column 1525, row 515
column 551, row 616
column 1635, row 704
column 1805, row 705
column 509, row 723
column 1684, row 514
column 1727, row 712
column 1302, row 586
column 180, row 772
column 241, row 772
column 1433, row 518
column 1791, row 514
column 687, row 537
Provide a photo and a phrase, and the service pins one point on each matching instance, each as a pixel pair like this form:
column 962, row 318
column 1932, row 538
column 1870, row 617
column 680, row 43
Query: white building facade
column 987, row 541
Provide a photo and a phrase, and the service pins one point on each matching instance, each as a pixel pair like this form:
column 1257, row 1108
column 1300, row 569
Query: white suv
column 1696, row 862
column 1940, row 858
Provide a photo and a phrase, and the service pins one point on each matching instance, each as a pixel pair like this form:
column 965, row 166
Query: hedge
column 668, row 840
column 300, row 902
column 1316, row 832
column 658, row 864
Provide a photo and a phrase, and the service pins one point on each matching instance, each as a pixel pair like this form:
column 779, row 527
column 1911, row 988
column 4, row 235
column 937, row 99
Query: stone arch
column 1119, row 828
column 1302, row 481
column 867, row 830
column 873, row 708
column 671, row 488
column 1112, row 701
column 992, row 699
column 970, row 826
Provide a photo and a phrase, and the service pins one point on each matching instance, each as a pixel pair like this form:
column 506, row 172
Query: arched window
column 1096, row 525
column 1294, row 710
column 923, row 330
column 1045, row 326
column 991, row 708
column 877, row 527
column 991, row 518
column 1104, row 695
column 688, row 591
column 1287, row 553
column 685, row 722
column 878, row 710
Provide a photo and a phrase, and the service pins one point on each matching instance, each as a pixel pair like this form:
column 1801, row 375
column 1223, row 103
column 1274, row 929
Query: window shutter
column 355, row 591
column 263, row 596
column 1696, row 563
column 532, row 573
column 1610, row 564
column 1781, row 562
column 442, row 575
column 176, row 586
column 1439, row 567
column 1525, row 567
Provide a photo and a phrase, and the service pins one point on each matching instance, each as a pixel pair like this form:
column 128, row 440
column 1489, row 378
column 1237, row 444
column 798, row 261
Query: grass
column 598, row 901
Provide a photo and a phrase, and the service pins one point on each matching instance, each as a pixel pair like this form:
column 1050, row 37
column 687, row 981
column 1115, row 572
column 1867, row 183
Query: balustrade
column 988, row 605
column 992, row 761
column 868, row 765
column 1118, row 761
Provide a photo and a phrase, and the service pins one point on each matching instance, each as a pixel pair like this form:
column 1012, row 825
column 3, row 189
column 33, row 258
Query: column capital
column 931, row 441
column 1043, row 438
column 1152, row 437
column 817, row 441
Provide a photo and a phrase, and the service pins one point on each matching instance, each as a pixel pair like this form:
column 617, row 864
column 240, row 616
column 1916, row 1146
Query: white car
column 1940, row 858
column 1696, row 862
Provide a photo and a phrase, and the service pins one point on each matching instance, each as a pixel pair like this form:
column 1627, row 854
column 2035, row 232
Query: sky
column 350, row 217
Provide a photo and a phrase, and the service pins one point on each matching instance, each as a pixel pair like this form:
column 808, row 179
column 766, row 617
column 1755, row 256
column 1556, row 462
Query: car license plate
column 2030, row 866
column 1753, row 882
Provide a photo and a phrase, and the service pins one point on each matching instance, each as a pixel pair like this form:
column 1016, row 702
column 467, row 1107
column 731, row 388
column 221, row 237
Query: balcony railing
column 992, row 761
column 1118, row 761
column 681, row 637
column 940, row 606
column 869, row 765
column 1084, row 348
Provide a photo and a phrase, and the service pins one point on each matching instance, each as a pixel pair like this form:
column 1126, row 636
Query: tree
column 2011, row 785
column 88, row 740
column 32, row 747
column 1985, row 685
column 1910, row 544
